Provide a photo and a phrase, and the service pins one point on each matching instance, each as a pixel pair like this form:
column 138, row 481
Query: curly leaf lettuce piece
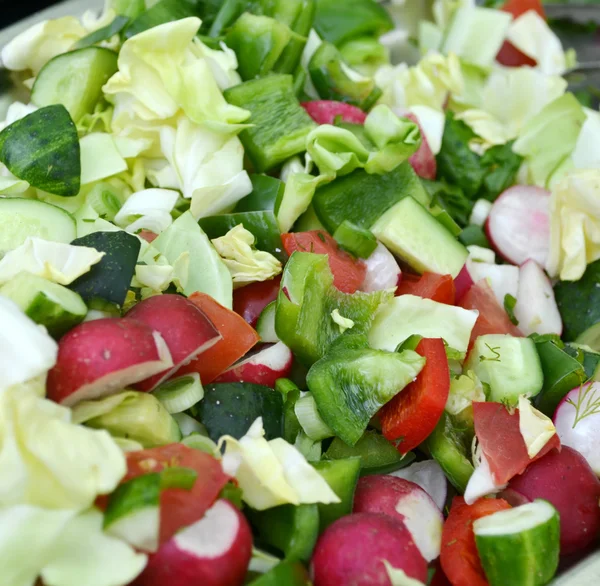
column 586, row 154
column 245, row 263
column 273, row 473
column 223, row 63
column 149, row 209
column 535, row 427
column 160, row 71
column 464, row 390
column 574, row 224
column 26, row 350
column 47, row 461
column 58, row 262
column 431, row 122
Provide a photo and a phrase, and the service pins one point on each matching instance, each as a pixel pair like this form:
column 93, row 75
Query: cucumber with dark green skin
column 267, row 193
column 579, row 302
column 344, row 198
column 110, row 279
column 43, row 149
column 231, row 408
column 291, row 529
column 263, row 225
column 284, row 574
column 280, row 124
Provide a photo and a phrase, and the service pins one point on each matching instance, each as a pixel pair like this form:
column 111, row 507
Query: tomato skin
column 237, row 338
column 326, row 111
column 439, row 288
column 415, row 411
column 520, row 7
column 509, row 55
column 348, row 272
column 249, row 301
column 178, row 507
column 492, row 317
column 499, row 436
column 148, row 236
column 459, row 557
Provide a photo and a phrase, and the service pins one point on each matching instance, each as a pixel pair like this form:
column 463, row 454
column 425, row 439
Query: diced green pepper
column 474, row 235
column 356, row 240
column 332, row 79
column 290, row 393
column 445, row 219
column 162, row 12
column 266, row 195
column 291, row 529
column 365, row 53
column 284, row 574
column 281, row 125
column 304, row 17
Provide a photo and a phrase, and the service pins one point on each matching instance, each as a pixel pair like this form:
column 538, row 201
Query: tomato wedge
column 348, row 273
column 459, row 557
column 415, row 411
column 500, row 438
column 492, row 317
column 178, row 507
column 326, row 111
column 237, row 338
column 519, row 7
column 509, row 55
column 440, row 288
column 249, row 301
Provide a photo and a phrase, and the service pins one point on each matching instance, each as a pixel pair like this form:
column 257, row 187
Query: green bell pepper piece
column 285, row 573
column 162, row 12
column 266, row 195
column 281, row 125
column 291, row 529
column 290, row 393
column 304, row 15
column 474, row 235
column 365, row 53
column 358, row 241
column 332, row 82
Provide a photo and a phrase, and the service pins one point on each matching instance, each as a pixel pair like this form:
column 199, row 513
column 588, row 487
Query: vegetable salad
column 298, row 292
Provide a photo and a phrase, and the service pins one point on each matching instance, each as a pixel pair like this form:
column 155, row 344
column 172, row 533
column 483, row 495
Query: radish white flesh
column 214, row 551
column 423, row 161
column 383, row 271
column 577, row 422
column 536, row 307
column 262, row 368
column 481, row 482
column 518, row 225
column 503, row 279
column 430, row 477
column 480, row 213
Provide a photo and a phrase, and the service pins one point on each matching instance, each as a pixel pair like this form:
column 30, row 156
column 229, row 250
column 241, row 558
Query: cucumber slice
column 181, row 393
column 21, row 218
column 103, row 34
column 520, row 545
column 75, row 80
column 46, row 303
column 133, row 512
column 265, row 326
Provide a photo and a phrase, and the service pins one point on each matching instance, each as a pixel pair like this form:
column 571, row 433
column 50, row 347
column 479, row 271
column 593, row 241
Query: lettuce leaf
column 100, row 157
column 149, row 209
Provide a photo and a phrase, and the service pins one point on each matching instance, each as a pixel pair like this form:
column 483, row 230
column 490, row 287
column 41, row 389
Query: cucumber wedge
column 46, row 303
column 265, row 326
column 75, row 80
column 519, row 546
column 21, row 218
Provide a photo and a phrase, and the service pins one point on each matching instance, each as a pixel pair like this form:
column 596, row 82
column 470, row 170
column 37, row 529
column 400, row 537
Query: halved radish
column 518, row 225
column 428, row 474
column 383, row 271
column 264, row 367
column 184, row 327
column 97, row 358
column 503, row 279
column 214, row 551
column 536, row 307
column 423, row 161
column 407, row 502
column 462, row 283
column 326, row 111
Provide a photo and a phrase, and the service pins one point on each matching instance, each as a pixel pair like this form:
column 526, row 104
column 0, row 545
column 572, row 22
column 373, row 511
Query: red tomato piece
column 147, row 235
column 510, row 56
column 178, row 507
column 459, row 557
column 440, row 288
column 326, row 111
column 237, row 338
column 501, row 442
column 519, row 7
column 415, row 411
column 249, row 301
column 492, row 317
column 348, row 272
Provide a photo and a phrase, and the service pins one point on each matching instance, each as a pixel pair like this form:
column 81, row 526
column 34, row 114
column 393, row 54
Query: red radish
column 352, row 551
column 423, row 161
column 184, row 327
column 147, row 235
column 250, row 300
column 577, row 421
column 566, row 480
column 463, row 283
column 518, row 225
column 536, row 307
column 271, row 362
column 383, row 271
column 214, row 551
column 503, row 279
column 98, row 358
column 326, row 111
column 429, row 475
column 407, row 502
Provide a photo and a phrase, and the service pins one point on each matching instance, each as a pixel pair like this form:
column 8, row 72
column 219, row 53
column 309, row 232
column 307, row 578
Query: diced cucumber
column 46, row 303
column 75, row 80
column 511, row 366
column 412, row 233
column 109, row 280
column 21, row 218
column 179, row 394
column 265, row 326
column 519, row 545
column 133, row 512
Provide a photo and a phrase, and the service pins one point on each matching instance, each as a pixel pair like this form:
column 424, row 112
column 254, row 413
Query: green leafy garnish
column 587, row 403
column 509, row 306
column 494, row 351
